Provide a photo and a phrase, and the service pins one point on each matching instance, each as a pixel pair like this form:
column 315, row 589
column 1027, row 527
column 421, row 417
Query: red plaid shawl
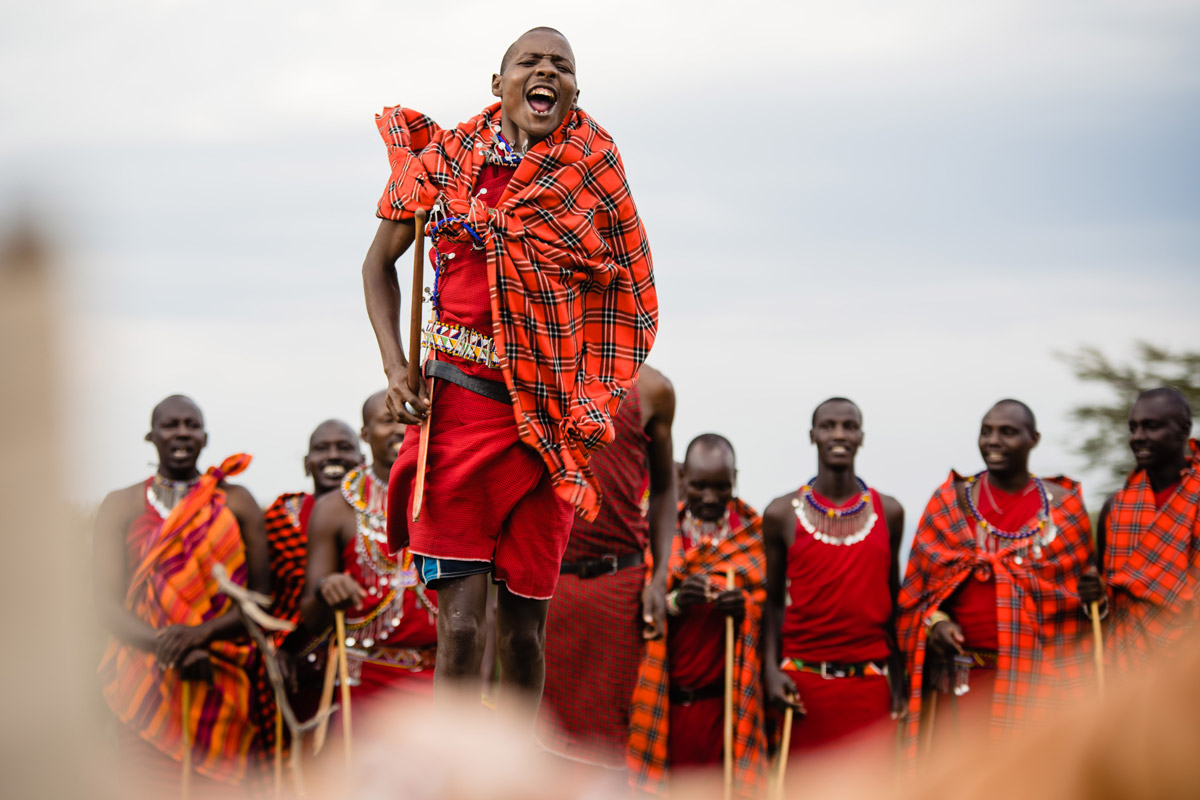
column 289, row 555
column 1152, row 562
column 650, row 709
column 569, row 269
column 1038, row 613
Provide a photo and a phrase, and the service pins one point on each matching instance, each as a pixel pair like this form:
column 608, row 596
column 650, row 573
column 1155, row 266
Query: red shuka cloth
column 569, row 269
column 1152, row 565
column 594, row 629
column 286, row 522
column 1041, row 626
column 839, row 609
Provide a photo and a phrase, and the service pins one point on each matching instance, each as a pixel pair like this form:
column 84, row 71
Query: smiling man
column 391, row 621
column 155, row 548
column 544, row 309
column 1149, row 534
column 988, row 610
column 677, row 714
column 829, row 629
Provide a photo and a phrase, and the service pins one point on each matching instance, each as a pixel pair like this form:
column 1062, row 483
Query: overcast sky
column 913, row 204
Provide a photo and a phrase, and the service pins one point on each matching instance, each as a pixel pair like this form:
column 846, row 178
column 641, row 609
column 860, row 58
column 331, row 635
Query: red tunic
column 487, row 496
column 839, row 610
column 594, row 631
column 696, row 642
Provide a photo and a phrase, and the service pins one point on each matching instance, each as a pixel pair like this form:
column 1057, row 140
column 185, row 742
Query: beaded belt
column 446, row 337
column 413, row 660
column 829, row 669
column 980, row 659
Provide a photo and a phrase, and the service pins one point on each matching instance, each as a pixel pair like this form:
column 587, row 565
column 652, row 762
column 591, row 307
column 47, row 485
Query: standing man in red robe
column 391, row 620
column 833, row 575
column 677, row 716
column 544, row 309
column 605, row 607
column 1149, row 535
column 155, row 548
column 332, row 452
column 990, row 620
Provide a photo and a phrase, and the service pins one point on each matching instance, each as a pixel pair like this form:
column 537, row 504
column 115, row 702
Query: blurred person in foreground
column 156, row 544
column 391, row 619
column 605, row 607
column 989, row 617
column 332, row 452
column 677, row 716
column 833, row 575
column 544, row 310
column 1148, row 535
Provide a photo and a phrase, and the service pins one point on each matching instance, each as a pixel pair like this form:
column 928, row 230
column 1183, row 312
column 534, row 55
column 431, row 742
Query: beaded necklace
column 382, row 575
column 164, row 494
column 500, row 152
column 1032, row 535
column 835, row 526
column 700, row 532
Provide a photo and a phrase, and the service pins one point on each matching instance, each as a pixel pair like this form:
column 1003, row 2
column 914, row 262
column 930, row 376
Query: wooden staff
column 326, row 699
column 278, row 753
column 415, row 378
column 728, row 693
column 927, row 727
column 784, row 746
column 1099, row 639
column 344, row 675
column 186, row 778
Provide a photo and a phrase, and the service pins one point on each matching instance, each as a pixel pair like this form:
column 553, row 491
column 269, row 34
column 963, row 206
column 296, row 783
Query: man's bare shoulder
column 129, row 498
column 780, row 509
column 330, row 511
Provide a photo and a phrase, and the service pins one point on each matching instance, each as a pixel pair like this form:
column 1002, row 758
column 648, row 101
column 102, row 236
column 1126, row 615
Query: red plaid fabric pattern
column 289, row 555
column 1039, row 616
column 1152, row 564
column 648, row 727
column 569, row 269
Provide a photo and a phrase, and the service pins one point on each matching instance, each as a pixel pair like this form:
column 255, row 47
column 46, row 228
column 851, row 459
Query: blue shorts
column 433, row 571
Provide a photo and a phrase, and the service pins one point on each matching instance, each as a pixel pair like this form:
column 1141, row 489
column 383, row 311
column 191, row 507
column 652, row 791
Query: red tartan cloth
column 487, row 496
column 1152, row 565
column 594, row 630
column 649, row 728
column 839, row 601
column 286, row 522
column 572, row 286
column 1040, row 621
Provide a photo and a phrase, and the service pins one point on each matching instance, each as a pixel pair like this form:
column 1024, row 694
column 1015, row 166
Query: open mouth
column 181, row 452
column 994, row 458
column 542, row 100
column 839, row 449
column 333, row 470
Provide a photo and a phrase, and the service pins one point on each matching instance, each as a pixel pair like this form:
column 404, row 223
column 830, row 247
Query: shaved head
column 709, row 442
column 1025, row 410
column 368, row 409
column 835, row 400
column 1181, row 409
column 175, row 401
column 331, row 426
column 540, row 29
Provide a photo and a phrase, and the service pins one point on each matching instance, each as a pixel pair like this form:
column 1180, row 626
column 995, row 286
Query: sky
column 915, row 205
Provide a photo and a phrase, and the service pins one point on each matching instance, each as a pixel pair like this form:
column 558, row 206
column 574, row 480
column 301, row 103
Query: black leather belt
column 686, row 695
column 604, row 565
column 493, row 390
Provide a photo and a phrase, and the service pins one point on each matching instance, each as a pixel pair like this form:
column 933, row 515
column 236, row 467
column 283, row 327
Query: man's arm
column 326, row 587
column 382, row 289
column 175, row 642
column 110, row 574
column 894, row 513
column 779, row 532
column 1092, row 585
column 658, row 415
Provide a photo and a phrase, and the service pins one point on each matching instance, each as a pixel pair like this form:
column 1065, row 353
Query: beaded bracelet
column 673, row 603
column 936, row 617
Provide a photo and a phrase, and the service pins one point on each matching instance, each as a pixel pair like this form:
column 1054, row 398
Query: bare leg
column 521, row 640
column 462, row 627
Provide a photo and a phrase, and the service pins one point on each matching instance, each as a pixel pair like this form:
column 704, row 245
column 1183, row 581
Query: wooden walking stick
column 186, row 778
column 326, row 698
column 784, row 746
column 728, row 693
column 414, row 356
column 344, row 675
column 927, row 719
column 1099, row 654
column 278, row 753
